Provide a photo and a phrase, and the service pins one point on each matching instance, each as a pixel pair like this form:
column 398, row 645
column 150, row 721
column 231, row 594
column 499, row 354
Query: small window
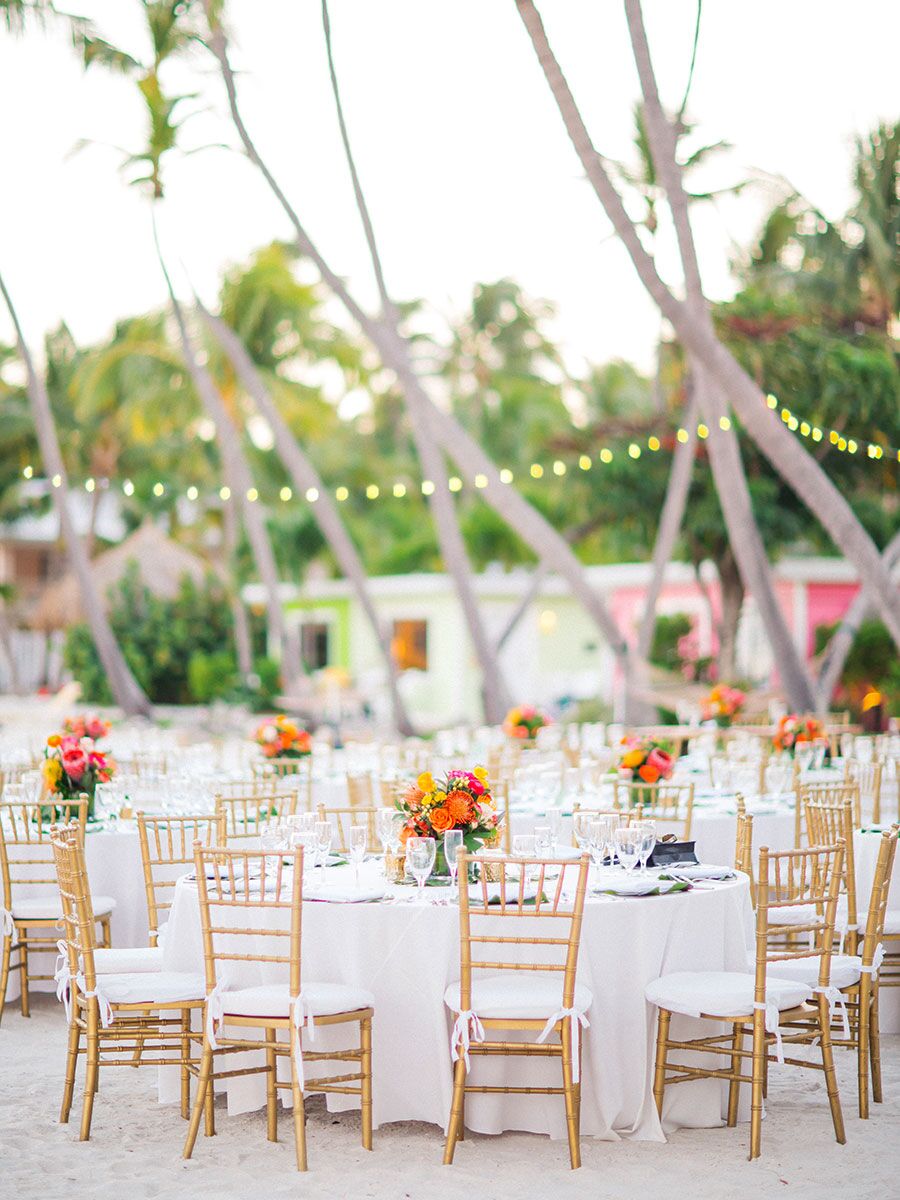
column 410, row 645
column 314, row 644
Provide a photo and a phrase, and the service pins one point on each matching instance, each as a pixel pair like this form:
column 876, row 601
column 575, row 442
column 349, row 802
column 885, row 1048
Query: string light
column 634, row 450
column 536, row 470
column 225, row 493
column 725, row 423
column 454, row 483
column 192, row 493
column 427, row 487
column 506, row 475
column 312, row 495
column 481, row 481
column 606, row 455
column 285, row 494
column 159, row 489
column 28, row 471
column 559, row 467
column 653, row 443
column 89, row 485
column 584, row 462
column 399, row 490
column 252, row 495
column 341, row 494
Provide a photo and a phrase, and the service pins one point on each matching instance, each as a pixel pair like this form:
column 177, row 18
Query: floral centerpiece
column 645, row 759
column 524, row 721
column 73, row 765
column 282, row 738
column 458, row 800
column 722, row 705
column 794, row 729
column 90, row 726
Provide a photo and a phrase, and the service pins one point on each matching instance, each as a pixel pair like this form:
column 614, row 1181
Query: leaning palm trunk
column 471, row 460
column 127, row 692
column 243, row 647
column 304, row 477
column 240, row 481
column 842, row 639
column 694, row 329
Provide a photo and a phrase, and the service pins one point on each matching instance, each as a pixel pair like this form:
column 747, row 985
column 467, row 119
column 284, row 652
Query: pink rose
column 75, row 763
column 661, row 761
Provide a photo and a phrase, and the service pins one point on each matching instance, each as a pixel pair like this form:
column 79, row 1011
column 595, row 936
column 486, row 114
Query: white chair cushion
column 845, row 970
column 801, row 914
column 720, row 993
column 161, row 987
column 274, row 1000
column 48, row 908
column 891, row 922
column 128, row 960
column 516, row 998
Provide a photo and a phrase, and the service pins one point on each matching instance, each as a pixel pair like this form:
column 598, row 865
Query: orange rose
column 441, row 819
column 633, row 758
column 648, row 774
column 460, row 806
column 54, row 739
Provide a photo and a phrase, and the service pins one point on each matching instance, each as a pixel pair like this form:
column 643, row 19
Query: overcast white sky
column 468, row 171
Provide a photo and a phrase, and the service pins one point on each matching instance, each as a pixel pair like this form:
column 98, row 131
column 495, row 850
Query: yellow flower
column 514, row 716
column 425, row 782
column 52, row 772
column 481, row 774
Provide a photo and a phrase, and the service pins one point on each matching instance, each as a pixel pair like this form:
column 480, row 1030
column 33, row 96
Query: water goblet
column 420, row 852
column 648, row 842
column 359, row 839
column 553, row 818
column 627, row 841
column 324, row 834
column 598, row 839
column 453, row 840
column 523, row 845
column 581, row 828
column 543, row 840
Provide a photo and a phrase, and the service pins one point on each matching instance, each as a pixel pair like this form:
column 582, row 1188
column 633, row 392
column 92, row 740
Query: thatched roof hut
column 161, row 563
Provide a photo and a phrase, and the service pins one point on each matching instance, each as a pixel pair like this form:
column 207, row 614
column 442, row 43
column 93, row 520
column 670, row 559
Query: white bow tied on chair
column 773, row 1024
column 8, row 924
column 877, row 960
column 578, row 1022
column 302, row 1015
column 466, row 1029
column 63, row 977
column 835, row 1000
column 215, row 1013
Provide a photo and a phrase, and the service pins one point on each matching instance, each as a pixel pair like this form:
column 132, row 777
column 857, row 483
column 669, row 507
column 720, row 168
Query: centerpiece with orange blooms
column 722, row 705
column 73, row 766
column 280, row 737
column 793, row 730
column 457, row 800
column 89, row 725
column 645, row 759
column 523, row 722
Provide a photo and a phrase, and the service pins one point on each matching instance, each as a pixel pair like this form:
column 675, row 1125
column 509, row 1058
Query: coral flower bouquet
column 73, row 765
column 645, row 760
column 524, row 721
column 722, row 705
column 282, row 738
column 457, row 800
column 90, row 726
column 793, row 730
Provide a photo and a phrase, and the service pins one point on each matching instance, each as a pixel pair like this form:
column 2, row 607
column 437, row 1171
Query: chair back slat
column 665, row 803
column 167, row 844
column 876, row 911
column 342, row 819
column 26, row 851
column 252, row 815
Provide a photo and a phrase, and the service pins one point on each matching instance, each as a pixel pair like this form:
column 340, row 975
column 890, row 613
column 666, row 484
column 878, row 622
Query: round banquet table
column 407, row 954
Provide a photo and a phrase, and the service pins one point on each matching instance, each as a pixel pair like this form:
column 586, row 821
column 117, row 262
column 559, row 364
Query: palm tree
column 694, row 329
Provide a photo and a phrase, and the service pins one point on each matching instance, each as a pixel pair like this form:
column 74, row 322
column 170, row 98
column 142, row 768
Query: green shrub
column 211, row 676
column 667, row 633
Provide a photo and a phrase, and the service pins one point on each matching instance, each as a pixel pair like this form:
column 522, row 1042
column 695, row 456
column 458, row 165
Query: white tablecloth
column 407, row 955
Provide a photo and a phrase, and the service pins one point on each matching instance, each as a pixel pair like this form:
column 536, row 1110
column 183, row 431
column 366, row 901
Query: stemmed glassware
column 420, row 853
column 598, row 840
column 324, row 834
column 648, row 842
column 359, row 838
column 543, row 840
column 453, row 840
column 628, row 840
column 581, row 828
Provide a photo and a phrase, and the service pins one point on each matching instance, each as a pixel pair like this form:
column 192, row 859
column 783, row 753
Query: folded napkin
column 476, row 895
column 699, row 871
column 334, row 893
column 641, row 886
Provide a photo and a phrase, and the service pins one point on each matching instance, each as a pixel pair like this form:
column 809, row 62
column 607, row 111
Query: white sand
column 135, row 1147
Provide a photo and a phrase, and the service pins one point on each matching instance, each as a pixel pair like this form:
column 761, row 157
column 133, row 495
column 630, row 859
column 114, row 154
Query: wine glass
column 598, row 839
column 359, row 838
column 543, row 840
column 324, row 833
column 552, row 817
column 420, row 852
column 581, row 827
column 627, row 841
column 384, row 822
column 453, row 840
column 523, row 845
column 648, row 842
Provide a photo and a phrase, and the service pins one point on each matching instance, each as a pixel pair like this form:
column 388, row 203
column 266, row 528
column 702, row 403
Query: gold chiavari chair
column 143, row 765
column 114, row 1013
column 279, row 767
column 250, row 816
column 668, row 804
column 867, row 776
column 856, row 978
column 743, row 847
column 30, row 912
column 361, row 791
column 538, row 995
column 343, row 818
column 500, row 791
column 828, row 820
column 167, row 851
column 625, row 816
column 758, row 1004
column 259, row 785
column 829, row 793
column 250, row 910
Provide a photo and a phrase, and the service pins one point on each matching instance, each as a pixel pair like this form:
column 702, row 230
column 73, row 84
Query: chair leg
column 864, row 1000
column 271, row 1090
column 299, row 1108
column 71, row 1066
column 831, row 1084
column 4, row 972
column 105, row 935
column 185, row 1059
column 875, row 1047
column 659, row 1075
column 760, row 1049
column 139, row 1042
column 204, row 1087
column 92, row 1071
column 23, row 973
column 734, row 1086
column 456, row 1110
column 570, row 1096
column 365, row 1045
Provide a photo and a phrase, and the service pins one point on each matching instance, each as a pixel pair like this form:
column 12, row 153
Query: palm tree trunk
column 471, row 460
column 694, row 330
column 842, row 639
column 305, row 476
column 731, row 585
column 127, row 692
column 240, row 482
column 243, row 646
